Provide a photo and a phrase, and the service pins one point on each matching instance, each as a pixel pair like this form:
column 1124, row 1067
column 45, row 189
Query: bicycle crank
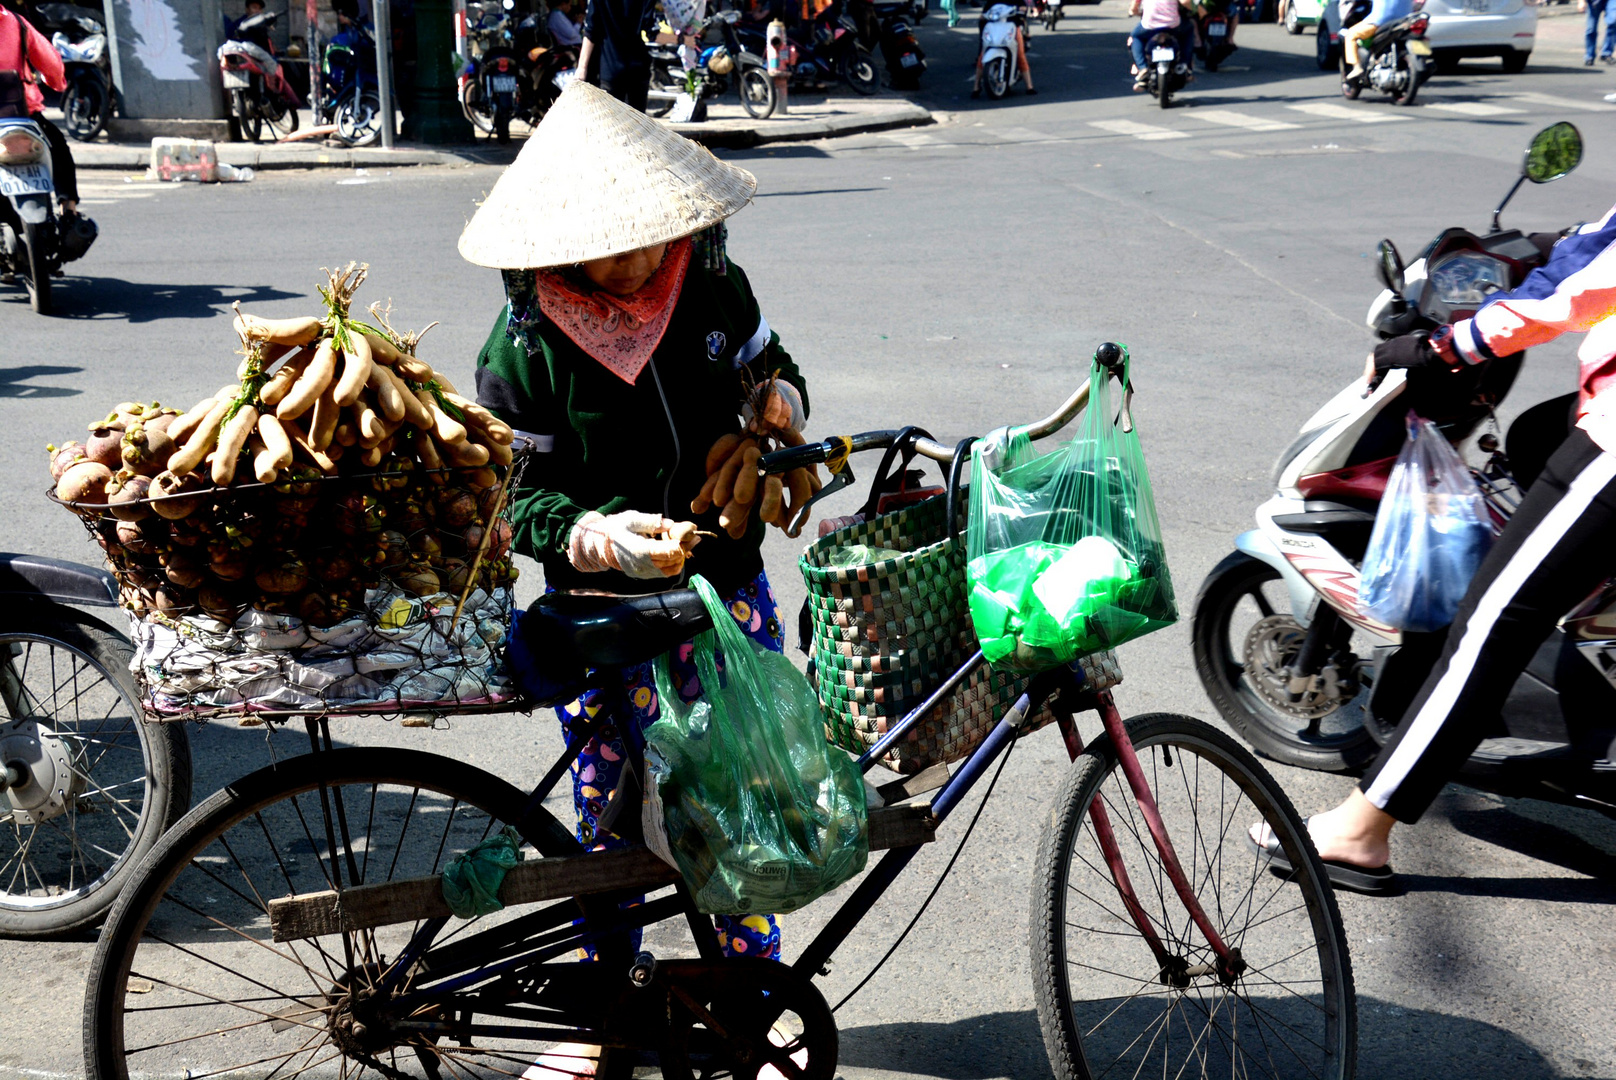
column 736, row 1016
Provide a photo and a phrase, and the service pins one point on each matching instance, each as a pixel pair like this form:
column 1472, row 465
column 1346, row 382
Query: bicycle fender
column 41, row 577
column 1260, row 546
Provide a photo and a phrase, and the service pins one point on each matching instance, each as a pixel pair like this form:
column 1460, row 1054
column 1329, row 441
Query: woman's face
column 624, row 274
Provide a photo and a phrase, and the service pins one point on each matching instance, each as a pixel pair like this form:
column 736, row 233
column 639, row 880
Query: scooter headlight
column 21, row 146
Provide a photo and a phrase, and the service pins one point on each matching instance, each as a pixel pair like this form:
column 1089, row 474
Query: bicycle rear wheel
column 188, row 980
column 1108, row 1006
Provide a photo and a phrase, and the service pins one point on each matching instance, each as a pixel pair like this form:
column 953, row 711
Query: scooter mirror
column 1391, row 267
column 1554, row 151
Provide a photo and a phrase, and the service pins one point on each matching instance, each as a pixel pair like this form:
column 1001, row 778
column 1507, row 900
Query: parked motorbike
column 514, row 71
column 349, row 97
column 1166, row 72
column 1280, row 643
column 827, row 50
column 721, row 65
column 260, row 96
column 81, row 39
column 1001, row 50
column 905, row 59
column 34, row 241
column 86, row 787
column 1396, row 60
column 1215, row 27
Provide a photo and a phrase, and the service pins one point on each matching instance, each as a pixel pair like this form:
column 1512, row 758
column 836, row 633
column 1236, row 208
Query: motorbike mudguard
column 1304, row 599
column 44, row 578
column 33, row 209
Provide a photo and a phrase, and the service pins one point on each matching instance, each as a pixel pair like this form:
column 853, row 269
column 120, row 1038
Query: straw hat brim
column 599, row 178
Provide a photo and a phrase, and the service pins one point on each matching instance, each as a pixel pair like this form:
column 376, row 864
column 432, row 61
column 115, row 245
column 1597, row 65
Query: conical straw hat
column 599, row 178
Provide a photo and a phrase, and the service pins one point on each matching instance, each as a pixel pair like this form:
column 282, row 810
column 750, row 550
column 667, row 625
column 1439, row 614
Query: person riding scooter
column 1002, row 13
column 1154, row 17
column 1383, row 12
column 24, row 53
column 1553, row 552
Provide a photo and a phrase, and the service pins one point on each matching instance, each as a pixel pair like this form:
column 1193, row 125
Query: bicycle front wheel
column 1108, row 1003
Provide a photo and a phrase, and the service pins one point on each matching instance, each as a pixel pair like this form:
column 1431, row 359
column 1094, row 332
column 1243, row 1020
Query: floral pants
column 599, row 767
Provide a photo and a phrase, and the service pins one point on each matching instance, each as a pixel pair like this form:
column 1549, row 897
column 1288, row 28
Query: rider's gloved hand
column 1407, row 351
column 635, row 543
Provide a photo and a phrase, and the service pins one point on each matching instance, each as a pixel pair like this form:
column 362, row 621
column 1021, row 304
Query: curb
column 718, row 134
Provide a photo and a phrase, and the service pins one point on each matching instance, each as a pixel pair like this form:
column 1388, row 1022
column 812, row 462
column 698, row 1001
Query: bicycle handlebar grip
column 795, row 457
column 1109, row 356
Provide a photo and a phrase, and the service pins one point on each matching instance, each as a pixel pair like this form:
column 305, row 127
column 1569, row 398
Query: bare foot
column 1356, row 833
column 566, row 1062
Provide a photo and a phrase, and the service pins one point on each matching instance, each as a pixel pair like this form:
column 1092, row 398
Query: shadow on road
column 105, row 298
column 11, row 377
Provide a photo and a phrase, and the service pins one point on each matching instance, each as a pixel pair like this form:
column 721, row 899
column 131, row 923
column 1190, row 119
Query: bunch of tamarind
column 738, row 486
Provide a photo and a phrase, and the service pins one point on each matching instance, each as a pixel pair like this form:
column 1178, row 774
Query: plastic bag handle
column 956, row 468
column 903, row 443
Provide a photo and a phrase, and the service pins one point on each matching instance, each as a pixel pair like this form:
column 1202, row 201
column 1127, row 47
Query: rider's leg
column 64, row 174
column 1549, row 557
column 1350, row 37
column 1021, row 59
column 1136, row 45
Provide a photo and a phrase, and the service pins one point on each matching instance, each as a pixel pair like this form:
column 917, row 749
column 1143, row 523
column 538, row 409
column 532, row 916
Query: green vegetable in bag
column 761, row 814
column 1064, row 551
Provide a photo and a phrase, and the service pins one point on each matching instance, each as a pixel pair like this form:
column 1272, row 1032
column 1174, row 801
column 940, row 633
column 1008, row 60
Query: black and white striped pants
column 1560, row 544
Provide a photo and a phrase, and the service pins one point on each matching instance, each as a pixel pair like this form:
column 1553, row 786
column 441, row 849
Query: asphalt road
column 958, row 277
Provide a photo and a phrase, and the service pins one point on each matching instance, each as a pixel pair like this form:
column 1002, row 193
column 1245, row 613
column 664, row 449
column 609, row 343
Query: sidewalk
column 808, row 117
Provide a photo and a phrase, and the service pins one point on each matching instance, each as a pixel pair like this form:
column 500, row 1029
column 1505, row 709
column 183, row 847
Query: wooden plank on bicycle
column 363, row 907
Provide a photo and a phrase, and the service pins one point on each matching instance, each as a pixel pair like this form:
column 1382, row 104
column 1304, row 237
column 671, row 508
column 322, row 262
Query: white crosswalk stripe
column 911, row 139
column 115, row 192
column 1138, row 131
column 1021, row 134
column 1361, row 114
column 1231, row 118
column 1556, row 102
column 1470, row 108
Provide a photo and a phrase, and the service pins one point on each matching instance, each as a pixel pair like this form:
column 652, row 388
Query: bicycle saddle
column 587, row 630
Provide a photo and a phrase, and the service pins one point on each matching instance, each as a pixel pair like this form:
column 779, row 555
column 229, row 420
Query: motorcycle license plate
column 234, row 80
column 1217, row 29
column 1477, row 7
column 1419, row 48
column 502, row 84
column 24, row 179
column 908, row 59
column 1161, row 56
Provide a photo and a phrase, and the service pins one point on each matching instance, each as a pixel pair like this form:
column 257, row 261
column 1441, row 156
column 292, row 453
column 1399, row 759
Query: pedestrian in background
column 1598, row 11
column 614, row 45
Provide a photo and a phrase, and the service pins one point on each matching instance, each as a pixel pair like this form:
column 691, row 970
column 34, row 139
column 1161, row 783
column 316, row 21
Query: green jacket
column 605, row 445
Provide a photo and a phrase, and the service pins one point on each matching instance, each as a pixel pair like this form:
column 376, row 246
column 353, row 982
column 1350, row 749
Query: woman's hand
column 643, row 546
column 782, row 411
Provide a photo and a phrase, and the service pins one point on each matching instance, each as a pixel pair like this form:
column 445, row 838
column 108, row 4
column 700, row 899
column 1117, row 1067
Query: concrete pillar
column 164, row 52
column 436, row 118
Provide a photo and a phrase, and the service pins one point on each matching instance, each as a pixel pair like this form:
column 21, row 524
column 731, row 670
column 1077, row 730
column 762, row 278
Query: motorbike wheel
column 860, row 72
column 248, row 121
column 1242, row 638
column 359, row 119
column 471, row 103
column 1164, row 89
column 996, row 77
column 1350, row 91
column 757, row 92
column 1212, row 60
column 1324, row 51
column 37, row 266
column 1293, row 21
column 283, row 123
column 84, row 109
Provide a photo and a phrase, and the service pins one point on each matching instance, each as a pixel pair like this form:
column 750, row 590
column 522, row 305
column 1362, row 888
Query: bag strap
column 956, row 470
column 903, row 444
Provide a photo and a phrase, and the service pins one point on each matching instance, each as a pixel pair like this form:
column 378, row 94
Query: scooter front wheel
column 996, row 76
column 758, row 96
column 85, row 109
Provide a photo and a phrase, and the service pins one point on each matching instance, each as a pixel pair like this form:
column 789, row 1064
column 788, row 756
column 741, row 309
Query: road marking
column 1470, row 108
column 1138, row 131
column 1230, row 118
column 1359, row 115
column 912, row 139
column 1021, row 134
column 1563, row 102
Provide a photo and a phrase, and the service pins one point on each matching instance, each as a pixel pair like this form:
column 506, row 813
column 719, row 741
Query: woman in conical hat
column 623, row 353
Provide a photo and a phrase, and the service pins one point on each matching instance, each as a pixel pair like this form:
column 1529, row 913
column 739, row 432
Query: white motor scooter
column 1001, row 60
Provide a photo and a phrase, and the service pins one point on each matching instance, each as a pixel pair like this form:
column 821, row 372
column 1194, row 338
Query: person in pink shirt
column 1154, row 17
column 25, row 54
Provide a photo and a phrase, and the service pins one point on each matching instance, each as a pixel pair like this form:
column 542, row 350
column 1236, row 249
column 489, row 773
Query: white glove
column 627, row 542
column 783, row 409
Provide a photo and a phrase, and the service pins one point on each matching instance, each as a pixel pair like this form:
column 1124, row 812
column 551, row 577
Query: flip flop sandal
column 1371, row 881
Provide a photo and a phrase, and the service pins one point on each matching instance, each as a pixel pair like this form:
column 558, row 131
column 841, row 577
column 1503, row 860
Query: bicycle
column 295, row 920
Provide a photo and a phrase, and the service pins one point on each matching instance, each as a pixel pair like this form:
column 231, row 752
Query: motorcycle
column 350, row 98
column 1001, row 49
column 1166, row 72
column 514, row 72
column 1215, row 28
column 1396, row 60
column 81, row 40
column 905, row 59
column 256, row 83
column 1049, row 13
column 1280, row 643
column 827, row 50
column 34, row 241
column 718, row 67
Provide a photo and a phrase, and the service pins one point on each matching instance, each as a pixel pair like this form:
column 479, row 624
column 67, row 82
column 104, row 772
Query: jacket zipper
column 667, row 488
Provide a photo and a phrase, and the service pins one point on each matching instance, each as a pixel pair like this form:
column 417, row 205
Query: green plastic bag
column 1064, row 552
column 760, row 814
column 472, row 879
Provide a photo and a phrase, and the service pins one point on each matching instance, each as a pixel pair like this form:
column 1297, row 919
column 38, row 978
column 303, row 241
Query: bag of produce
column 1064, row 552
column 1431, row 532
column 745, row 798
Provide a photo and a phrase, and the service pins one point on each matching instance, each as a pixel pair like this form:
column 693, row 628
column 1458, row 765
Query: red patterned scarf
column 620, row 331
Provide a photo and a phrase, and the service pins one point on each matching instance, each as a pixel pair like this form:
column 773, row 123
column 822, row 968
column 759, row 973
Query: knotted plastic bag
column 1431, row 532
column 760, row 814
column 1064, row 551
column 472, row 879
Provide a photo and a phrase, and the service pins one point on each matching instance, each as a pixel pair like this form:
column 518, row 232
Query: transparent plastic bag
column 1064, row 550
column 761, row 814
column 1431, row 532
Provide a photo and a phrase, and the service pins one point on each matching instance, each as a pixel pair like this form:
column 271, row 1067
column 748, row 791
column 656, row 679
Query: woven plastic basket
column 886, row 633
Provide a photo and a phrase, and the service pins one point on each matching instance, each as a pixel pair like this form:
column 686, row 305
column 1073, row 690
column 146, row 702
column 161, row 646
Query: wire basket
column 377, row 591
column 886, row 633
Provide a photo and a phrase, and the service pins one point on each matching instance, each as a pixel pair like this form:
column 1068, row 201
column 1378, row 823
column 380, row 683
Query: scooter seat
column 584, row 630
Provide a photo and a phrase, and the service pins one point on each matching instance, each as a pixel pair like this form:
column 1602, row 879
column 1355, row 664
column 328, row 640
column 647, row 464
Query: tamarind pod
column 298, row 331
column 746, row 481
column 769, row 504
column 703, row 501
column 300, row 440
column 373, row 429
column 414, row 411
column 181, row 429
column 726, row 476
column 476, row 415
column 389, row 392
column 232, row 438
column 201, row 441
column 346, row 434
column 499, row 454
column 335, row 451
column 276, row 444
column 371, row 456
column 431, row 460
column 465, row 454
column 265, row 465
column 387, row 444
column 311, row 384
column 733, row 519
column 382, row 351
column 413, row 369
column 721, row 451
column 684, row 534
column 442, row 380
column 356, row 365
column 449, row 431
column 323, row 424
column 281, row 381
